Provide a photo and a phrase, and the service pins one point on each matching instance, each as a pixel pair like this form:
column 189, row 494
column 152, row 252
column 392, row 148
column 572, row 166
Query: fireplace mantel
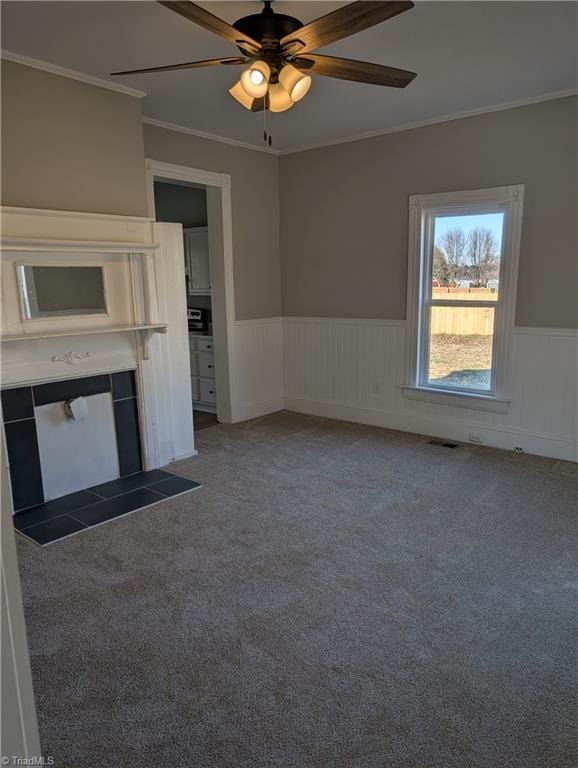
column 50, row 349
column 146, row 330
column 76, row 246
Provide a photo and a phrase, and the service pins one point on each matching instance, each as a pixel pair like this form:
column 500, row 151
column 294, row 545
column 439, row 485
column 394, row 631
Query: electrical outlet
column 376, row 388
column 475, row 438
column 518, row 449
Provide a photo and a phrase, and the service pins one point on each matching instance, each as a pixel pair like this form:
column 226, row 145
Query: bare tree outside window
column 482, row 256
column 473, row 256
column 452, row 249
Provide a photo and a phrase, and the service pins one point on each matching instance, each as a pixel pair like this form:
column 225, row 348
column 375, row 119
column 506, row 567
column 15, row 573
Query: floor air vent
column 441, row 444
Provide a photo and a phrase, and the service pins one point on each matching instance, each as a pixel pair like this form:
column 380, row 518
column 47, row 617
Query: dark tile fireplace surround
column 48, row 521
column 20, row 428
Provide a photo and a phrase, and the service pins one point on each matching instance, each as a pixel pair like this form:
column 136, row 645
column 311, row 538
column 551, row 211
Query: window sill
column 457, row 399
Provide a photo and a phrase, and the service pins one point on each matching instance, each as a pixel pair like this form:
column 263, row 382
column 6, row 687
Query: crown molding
column 27, row 61
column 209, row 136
column 433, row 121
column 71, row 74
column 367, row 135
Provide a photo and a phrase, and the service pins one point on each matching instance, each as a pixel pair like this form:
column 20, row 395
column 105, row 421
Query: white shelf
column 75, row 246
column 146, row 331
column 153, row 328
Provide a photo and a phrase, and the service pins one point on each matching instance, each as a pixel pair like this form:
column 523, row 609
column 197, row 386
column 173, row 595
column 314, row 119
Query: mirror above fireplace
column 61, row 290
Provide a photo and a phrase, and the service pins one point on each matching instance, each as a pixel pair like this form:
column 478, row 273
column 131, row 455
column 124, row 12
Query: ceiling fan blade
column 359, row 71
column 185, row 65
column 341, row 23
column 209, row 21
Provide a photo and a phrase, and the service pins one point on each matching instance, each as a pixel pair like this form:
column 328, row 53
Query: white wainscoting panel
column 353, row 370
column 257, row 380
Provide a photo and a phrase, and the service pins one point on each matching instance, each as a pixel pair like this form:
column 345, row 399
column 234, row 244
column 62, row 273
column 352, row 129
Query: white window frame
column 423, row 210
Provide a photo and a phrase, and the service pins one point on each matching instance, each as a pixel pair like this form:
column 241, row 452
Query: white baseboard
column 539, row 444
column 189, row 455
column 353, row 369
column 245, row 411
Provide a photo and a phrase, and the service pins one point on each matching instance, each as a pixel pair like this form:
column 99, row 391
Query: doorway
column 186, row 204
column 201, row 202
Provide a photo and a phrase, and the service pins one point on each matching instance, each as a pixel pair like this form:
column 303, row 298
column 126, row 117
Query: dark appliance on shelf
column 198, row 320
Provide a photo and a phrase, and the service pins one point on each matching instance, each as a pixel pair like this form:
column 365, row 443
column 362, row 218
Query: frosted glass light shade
column 295, row 82
column 255, row 80
column 279, row 99
column 239, row 93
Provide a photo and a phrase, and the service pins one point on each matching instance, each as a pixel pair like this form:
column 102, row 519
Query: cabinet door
column 206, row 365
column 208, row 391
column 197, row 254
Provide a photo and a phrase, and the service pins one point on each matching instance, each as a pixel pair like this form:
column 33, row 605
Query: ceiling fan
column 277, row 48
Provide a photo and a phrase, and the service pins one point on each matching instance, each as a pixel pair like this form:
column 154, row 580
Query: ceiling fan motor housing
column 283, row 43
column 267, row 28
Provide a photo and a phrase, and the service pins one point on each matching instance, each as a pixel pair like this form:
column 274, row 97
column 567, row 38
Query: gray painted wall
column 70, row 146
column 341, row 246
column 344, row 211
column 255, row 200
column 177, row 203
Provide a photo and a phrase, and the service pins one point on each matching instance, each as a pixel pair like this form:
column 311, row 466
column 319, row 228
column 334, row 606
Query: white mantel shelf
column 147, row 330
column 76, row 246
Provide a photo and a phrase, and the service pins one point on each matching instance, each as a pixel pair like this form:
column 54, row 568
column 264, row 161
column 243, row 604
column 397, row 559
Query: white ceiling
column 468, row 56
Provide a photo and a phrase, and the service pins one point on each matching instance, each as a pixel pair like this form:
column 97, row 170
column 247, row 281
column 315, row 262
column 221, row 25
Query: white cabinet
column 206, row 362
column 197, row 260
column 208, row 391
column 203, row 384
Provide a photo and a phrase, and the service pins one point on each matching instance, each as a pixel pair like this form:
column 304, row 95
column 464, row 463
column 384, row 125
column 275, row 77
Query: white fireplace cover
column 77, row 454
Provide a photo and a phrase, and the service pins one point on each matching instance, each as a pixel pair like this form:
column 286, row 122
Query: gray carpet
column 335, row 596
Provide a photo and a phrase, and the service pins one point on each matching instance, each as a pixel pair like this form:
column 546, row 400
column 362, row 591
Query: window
column 463, row 262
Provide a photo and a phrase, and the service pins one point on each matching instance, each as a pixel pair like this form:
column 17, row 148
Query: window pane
column 466, row 256
column 460, row 349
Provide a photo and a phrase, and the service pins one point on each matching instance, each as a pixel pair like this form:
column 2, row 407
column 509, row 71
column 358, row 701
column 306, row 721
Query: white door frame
column 20, row 726
column 219, row 210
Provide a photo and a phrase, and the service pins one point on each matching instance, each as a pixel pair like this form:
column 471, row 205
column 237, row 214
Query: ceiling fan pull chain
column 266, row 127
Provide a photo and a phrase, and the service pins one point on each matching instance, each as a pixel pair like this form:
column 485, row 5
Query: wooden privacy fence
column 463, row 321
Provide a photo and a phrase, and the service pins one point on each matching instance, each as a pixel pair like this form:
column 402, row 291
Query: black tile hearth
column 58, row 391
column 174, row 485
column 82, row 510
column 54, row 508
column 126, row 484
column 117, row 506
column 17, row 404
column 52, row 530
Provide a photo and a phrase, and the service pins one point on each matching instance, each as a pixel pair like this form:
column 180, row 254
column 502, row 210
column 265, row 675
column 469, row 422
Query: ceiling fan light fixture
column 255, row 80
column 241, row 95
column 277, row 49
column 279, row 99
column 295, row 82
